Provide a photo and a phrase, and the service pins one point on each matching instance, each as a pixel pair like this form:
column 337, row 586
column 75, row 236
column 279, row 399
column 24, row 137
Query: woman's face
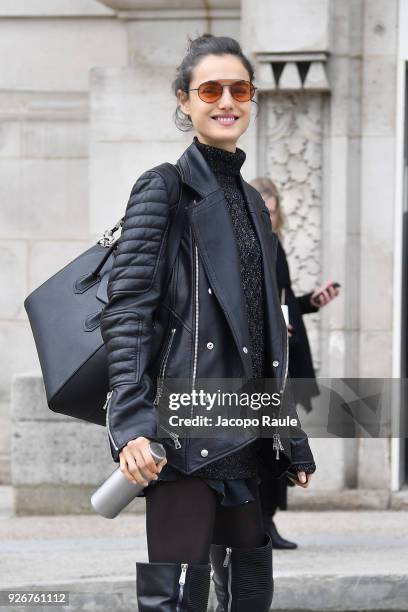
column 210, row 130
column 271, row 205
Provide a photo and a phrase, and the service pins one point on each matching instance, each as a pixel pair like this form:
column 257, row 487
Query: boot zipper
column 106, row 407
column 182, row 581
column 227, row 563
column 163, row 368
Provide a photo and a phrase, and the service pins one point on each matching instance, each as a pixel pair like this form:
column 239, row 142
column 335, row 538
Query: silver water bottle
column 117, row 491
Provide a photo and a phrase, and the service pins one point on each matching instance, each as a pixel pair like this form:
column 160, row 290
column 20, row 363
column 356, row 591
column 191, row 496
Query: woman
column 217, row 317
column 273, row 492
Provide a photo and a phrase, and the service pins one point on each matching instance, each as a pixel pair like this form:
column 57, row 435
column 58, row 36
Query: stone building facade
column 86, row 107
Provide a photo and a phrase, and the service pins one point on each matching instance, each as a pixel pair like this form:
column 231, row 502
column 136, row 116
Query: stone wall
column 47, row 50
column 81, row 119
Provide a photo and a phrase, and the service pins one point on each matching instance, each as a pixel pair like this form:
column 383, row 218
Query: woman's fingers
column 303, row 479
column 161, row 465
column 324, row 294
column 147, row 463
column 129, row 469
column 144, row 460
column 137, row 463
column 134, row 470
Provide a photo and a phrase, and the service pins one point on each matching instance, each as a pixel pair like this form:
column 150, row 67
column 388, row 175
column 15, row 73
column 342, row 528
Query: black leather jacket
column 197, row 328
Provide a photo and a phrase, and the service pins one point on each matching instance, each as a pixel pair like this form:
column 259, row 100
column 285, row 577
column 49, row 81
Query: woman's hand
column 303, row 479
column 327, row 294
column 137, row 462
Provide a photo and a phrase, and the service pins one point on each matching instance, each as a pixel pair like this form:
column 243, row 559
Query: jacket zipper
column 182, row 581
column 287, row 360
column 163, row 368
column 197, row 312
column 227, row 563
column 277, row 444
column 196, row 316
column 162, row 371
column 106, row 407
column 174, row 437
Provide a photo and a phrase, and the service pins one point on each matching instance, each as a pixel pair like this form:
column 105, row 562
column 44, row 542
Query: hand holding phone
column 324, row 295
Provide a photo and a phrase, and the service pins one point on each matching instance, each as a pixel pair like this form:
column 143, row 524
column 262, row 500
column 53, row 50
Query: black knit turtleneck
column 222, row 161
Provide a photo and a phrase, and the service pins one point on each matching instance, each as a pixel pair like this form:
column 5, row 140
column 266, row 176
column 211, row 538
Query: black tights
column 184, row 517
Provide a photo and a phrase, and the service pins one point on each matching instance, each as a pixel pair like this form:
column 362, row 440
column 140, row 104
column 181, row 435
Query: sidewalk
column 346, row 560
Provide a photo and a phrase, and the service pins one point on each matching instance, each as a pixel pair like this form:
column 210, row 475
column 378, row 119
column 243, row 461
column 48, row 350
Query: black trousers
column 184, row 517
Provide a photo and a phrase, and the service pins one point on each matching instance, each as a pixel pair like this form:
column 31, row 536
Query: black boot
column 243, row 578
column 277, row 540
column 172, row 587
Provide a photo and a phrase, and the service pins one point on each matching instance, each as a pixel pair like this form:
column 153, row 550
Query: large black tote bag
column 64, row 314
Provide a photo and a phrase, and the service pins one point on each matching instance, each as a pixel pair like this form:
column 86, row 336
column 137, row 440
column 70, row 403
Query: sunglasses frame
column 197, row 89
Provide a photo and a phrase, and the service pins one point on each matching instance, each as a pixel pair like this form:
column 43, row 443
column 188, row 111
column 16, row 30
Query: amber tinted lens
column 242, row 91
column 210, row 91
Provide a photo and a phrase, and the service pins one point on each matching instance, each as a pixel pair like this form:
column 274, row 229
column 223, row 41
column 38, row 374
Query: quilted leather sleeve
column 134, row 291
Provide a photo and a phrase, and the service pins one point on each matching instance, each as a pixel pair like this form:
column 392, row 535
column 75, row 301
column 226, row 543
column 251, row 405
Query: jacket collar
column 198, row 175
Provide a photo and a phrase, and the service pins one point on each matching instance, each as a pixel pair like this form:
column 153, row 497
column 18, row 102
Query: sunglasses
column 211, row 91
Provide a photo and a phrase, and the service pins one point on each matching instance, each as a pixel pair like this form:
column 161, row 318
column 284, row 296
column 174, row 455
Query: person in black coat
column 273, row 491
column 211, row 313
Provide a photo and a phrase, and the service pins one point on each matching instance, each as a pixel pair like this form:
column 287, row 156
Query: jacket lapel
column 214, row 234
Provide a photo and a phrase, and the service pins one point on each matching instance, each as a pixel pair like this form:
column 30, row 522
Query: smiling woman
column 217, row 317
column 222, row 91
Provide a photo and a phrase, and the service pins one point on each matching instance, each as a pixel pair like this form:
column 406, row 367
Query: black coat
column 197, row 328
column 300, row 358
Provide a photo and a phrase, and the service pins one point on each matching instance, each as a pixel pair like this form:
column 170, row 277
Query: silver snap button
column 209, row 290
column 244, row 348
column 210, row 345
column 275, row 363
column 204, row 452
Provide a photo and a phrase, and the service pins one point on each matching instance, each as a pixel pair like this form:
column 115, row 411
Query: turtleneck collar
column 220, row 160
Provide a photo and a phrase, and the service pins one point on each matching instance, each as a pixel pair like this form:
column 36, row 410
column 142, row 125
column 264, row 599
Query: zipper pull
column 109, row 395
column 277, row 444
column 173, row 436
column 158, row 394
column 227, row 557
column 176, row 440
column 182, row 578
